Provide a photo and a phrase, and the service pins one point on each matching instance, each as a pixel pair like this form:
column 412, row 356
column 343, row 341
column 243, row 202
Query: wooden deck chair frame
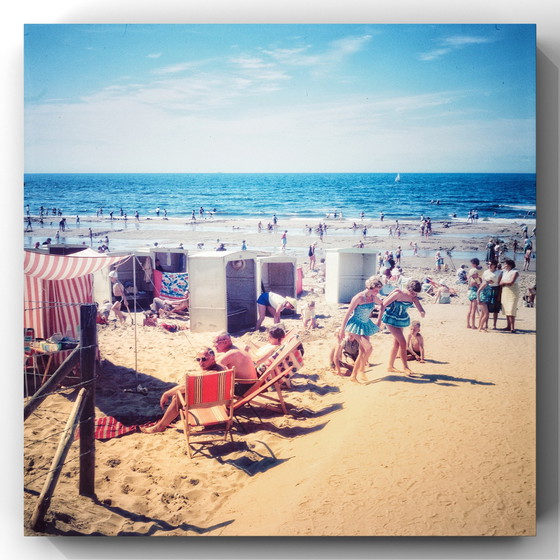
column 276, row 373
column 207, row 403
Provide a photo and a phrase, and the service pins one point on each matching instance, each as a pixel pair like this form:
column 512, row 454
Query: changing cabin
column 278, row 274
column 135, row 274
column 223, row 290
column 346, row 271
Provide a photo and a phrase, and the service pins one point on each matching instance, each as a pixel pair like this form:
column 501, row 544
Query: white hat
column 292, row 301
column 113, row 274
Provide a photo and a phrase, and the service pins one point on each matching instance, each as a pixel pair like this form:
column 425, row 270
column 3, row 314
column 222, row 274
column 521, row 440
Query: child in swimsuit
column 474, row 283
column 394, row 313
column 415, row 343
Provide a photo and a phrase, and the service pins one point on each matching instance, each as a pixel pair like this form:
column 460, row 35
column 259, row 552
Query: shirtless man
column 207, row 361
column 233, row 357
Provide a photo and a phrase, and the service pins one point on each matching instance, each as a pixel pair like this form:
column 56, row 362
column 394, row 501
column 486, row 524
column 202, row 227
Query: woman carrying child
column 394, row 313
column 357, row 321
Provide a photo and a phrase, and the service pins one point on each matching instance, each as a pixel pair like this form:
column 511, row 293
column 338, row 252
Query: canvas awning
column 56, row 285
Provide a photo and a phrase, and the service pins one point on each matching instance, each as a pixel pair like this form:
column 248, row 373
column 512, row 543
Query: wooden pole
column 64, row 369
column 57, row 462
column 88, row 342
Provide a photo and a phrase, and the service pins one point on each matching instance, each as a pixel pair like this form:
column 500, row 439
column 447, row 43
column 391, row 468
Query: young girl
column 357, row 321
column 394, row 313
column 474, row 281
column 415, row 343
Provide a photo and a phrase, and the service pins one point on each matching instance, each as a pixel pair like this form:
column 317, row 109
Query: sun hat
column 292, row 301
column 113, row 274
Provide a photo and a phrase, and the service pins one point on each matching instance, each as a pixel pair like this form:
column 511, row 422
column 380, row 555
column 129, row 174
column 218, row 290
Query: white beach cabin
column 346, row 270
column 278, row 274
column 223, row 290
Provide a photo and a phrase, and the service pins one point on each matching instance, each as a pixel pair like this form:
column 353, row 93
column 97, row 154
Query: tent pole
column 134, row 319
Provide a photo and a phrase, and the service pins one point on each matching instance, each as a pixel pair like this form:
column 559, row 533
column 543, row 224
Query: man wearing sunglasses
column 206, row 359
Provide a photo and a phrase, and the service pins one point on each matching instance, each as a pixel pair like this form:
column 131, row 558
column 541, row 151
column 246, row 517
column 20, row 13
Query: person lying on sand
column 207, row 361
column 164, row 307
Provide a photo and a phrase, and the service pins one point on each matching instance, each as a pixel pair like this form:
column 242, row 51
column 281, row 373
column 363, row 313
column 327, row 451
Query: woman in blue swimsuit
column 394, row 313
column 358, row 324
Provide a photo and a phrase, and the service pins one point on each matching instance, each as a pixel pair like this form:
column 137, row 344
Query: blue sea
column 296, row 199
column 291, row 195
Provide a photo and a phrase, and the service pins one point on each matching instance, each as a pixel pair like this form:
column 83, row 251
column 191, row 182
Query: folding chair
column 208, row 402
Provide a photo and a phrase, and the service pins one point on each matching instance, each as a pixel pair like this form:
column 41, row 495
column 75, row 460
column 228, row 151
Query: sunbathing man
column 233, row 357
column 207, row 361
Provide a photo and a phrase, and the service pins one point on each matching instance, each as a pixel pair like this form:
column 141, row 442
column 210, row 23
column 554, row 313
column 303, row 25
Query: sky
column 279, row 98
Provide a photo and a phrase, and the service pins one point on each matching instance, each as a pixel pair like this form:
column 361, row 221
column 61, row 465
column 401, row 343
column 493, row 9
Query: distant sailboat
column 398, row 178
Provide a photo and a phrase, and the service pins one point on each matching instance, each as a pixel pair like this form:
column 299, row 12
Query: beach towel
column 171, row 284
column 108, row 427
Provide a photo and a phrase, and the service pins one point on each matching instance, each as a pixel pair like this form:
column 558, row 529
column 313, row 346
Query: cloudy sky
column 279, row 98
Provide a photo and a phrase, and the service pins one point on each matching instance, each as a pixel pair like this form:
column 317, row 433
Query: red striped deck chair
column 207, row 404
column 275, row 372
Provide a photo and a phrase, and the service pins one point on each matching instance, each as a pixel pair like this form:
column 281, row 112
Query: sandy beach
column 449, row 452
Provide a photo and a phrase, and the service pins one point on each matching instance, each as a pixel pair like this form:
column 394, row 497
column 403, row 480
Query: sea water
column 310, row 197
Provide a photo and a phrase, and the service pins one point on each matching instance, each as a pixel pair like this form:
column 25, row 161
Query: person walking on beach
column 284, row 239
column 394, row 313
column 312, row 256
column 120, row 297
column 358, row 323
column 527, row 258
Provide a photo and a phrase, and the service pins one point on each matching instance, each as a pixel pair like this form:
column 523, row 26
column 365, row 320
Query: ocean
column 496, row 196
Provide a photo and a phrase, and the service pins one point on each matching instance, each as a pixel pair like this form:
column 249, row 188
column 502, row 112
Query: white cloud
column 452, row 43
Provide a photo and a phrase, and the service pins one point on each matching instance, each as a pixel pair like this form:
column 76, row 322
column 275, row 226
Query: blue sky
column 279, row 98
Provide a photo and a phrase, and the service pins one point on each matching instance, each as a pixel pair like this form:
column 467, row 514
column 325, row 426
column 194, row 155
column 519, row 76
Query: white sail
column 398, row 178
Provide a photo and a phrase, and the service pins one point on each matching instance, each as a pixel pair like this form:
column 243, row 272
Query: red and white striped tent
column 56, row 285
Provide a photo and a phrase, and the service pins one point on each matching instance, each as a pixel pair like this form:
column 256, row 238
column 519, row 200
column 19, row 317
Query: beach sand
column 451, row 452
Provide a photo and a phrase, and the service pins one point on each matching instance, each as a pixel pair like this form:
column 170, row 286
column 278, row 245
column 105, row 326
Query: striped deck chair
column 207, row 403
column 291, row 351
column 275, row 372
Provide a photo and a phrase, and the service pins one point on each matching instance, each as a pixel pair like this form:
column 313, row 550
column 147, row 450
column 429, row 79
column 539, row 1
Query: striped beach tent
column 56, row 285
